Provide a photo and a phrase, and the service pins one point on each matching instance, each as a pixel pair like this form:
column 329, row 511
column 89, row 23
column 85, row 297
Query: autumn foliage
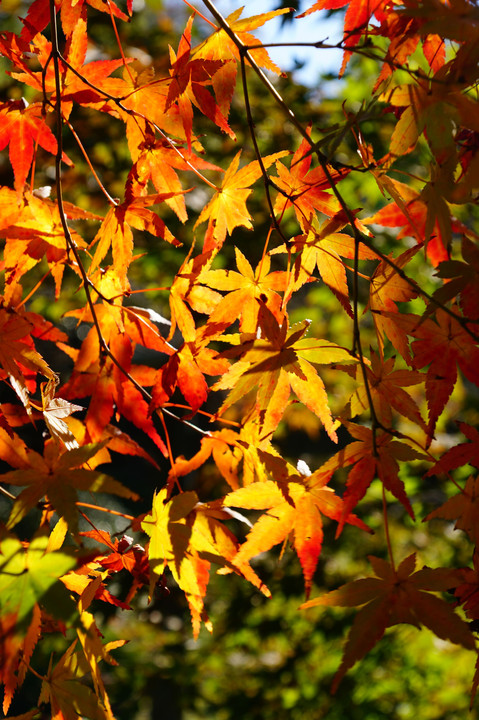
column 230, row 354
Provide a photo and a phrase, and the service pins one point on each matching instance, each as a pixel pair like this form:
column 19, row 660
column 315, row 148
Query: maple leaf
column 462, row 280
column 57, row 477
column 22, row 126
column 234, row 453
column 186, row 369
column 404, row 33
column 18, row 354
column 220, row 46
column 246, row 288
column 411, row 212
column 463, row 508
column 11, row 207
column 16, row 648
column 54, row 409
column 79, row 583
column 306, row 188
column 432, row 108
column 186, row 291
column 222, row 445
column 324, row 249
column 13, row 449
column 13, row 47
column 38, row 15
column 29, row 578
column 369, row 462
column 64, row 687
column 386, row 390
column 395, row 596
column 280, row 362
column 38, row 233
column 122, row 329
column 187, row 86
column 295, row 505
column 186, row 536
column 227, row 208
column 459, row 455
column 111, row 438
column 94, row 651
column 124, row 555
column 115, row 231
column 138, row 91
column 158, row 160
column 441, row 345
column 358, row 15
column 387, row 288
column 74, row 73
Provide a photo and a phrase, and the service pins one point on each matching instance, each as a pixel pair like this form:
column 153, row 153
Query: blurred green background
column 265, row 658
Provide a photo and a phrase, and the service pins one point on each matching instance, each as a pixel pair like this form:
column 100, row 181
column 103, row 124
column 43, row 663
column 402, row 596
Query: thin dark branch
column 71, row 246
column 325, row 163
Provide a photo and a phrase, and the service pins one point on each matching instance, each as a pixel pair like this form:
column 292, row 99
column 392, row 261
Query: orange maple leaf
column 186, row 369
column 138, row 91
column 186, row 293
column 223, row 447
column 115, row 231
column 295, row 504
column 424, row 216
column 64, row 687
column 281, row 361
column 187, row 536
column 463, row 508
column 234, row 453
column 22, row 126
column 38, row 15
column 404, row 33
column 158, row 160
column 387, row 288
column 386, row 390
column 187, row 86
column 306, row 189
column 122, row 329
column 73, row 73
column 369, row 464
column 441, row 345
column 246, row 288
column 57, row 476
column 395, row 596
column 324, row 250
column 220, row 46
column 18, row 356
column 38, row 233
column 227, row 208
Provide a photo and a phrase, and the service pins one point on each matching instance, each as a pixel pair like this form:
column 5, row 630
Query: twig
column 69, row 240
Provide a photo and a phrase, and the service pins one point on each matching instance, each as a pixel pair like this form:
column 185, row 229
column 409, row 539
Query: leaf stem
column 103, row 509
column 386, row 530
column 56, row 55
column 7, row 494
column 118, row 42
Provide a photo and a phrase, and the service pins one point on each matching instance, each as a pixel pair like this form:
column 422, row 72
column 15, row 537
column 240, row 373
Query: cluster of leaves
column 232, row 324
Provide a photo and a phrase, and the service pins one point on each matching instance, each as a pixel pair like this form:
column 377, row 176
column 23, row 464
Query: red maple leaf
column 23, row 127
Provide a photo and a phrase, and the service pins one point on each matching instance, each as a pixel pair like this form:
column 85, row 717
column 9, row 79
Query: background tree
column 198, row 231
